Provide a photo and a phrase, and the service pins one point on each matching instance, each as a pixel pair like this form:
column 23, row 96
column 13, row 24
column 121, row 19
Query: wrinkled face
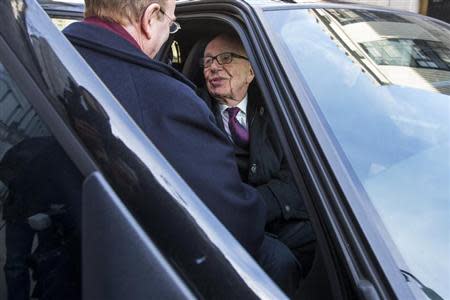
column 228, row 83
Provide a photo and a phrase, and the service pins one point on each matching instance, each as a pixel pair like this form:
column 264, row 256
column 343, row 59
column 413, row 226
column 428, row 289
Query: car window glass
column 176, row 53
column 40, row 193
column 62, row 23
column 382, row 83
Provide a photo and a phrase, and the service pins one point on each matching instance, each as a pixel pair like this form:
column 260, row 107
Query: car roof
column 292, row 3
column 66, row 6
column 263, row 3
column 325, row 4
column 76, row 7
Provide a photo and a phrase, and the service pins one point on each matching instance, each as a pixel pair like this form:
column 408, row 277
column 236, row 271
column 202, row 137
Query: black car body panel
column 125, row 268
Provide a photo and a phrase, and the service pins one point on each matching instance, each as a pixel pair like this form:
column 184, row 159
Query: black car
column 360, row 98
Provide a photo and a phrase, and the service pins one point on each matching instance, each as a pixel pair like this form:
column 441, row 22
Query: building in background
column 393, row 49
column 439, row 9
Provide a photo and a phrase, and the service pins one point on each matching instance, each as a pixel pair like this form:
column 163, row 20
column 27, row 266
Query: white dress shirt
column 241, row 117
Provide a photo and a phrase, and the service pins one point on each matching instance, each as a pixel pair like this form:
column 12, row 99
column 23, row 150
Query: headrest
column 191, row 67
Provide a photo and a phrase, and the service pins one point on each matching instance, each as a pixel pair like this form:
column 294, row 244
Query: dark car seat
column 191, row 67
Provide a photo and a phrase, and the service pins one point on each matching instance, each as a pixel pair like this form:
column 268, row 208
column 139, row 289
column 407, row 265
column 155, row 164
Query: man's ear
column 250, row 75
column 148, row 18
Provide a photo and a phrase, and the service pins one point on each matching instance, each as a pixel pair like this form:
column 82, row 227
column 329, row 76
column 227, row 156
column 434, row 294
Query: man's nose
column 215, row 65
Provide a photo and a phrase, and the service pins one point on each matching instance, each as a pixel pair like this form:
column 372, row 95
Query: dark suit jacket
column 163, row 103
column 264, row 165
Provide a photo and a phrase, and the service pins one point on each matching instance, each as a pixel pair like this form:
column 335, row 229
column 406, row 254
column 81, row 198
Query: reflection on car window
column 40, row 190
column 382, row 83
column 61, row 23
column 409, row 53
column 176, row 53
column 347, row 16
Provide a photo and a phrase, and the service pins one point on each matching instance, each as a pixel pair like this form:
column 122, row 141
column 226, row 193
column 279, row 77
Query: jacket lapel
column 257, row 120
column 218, row 116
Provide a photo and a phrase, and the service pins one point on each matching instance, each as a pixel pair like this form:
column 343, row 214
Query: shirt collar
column 242, row 106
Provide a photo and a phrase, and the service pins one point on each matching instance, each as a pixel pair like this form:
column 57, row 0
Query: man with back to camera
column 119, row 39
column 261, row 160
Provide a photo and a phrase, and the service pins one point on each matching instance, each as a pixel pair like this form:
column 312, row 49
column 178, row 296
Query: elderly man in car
column 240, row 113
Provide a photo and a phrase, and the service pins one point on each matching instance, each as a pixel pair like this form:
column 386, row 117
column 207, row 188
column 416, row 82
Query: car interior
column 183, row 51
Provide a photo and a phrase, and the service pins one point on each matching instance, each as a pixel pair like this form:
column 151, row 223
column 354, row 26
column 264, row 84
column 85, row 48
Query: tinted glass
column 382, row 84
column 40, row 194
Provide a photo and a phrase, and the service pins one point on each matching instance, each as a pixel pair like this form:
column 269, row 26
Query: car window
column 40, row 194
column 382, row 83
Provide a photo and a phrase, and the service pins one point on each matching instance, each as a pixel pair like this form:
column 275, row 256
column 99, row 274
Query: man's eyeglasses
column 174, row 26
column 222, row 58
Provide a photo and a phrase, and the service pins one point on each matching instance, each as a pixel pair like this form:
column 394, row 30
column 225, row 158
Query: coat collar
column 114, row 27
column 252, row 107
column 109, row 43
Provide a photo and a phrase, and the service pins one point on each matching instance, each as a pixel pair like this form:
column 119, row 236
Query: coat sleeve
column 272, row 175
column 182, row 127
column 282, row 197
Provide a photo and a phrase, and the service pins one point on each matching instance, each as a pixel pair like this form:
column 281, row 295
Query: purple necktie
column 238, row 132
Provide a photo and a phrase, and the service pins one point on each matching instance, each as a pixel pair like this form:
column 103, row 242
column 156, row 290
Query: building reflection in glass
column 401, row 50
